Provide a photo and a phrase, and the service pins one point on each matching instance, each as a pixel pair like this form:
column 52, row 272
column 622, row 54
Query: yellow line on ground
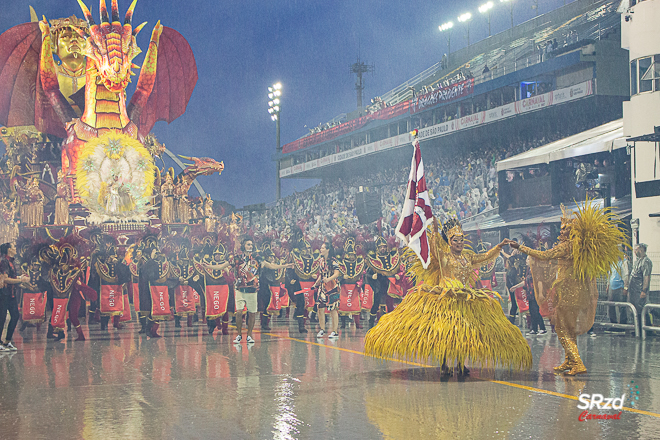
column 499, row 382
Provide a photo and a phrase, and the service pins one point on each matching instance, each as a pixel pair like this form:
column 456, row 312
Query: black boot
column 50, row 334
column 177, row 321
column 372, row 321
column 104, row 322
column 212, row 324
column 264, row 322
column 301, row 325
column 343, row 321
column 143, row 325
column 68, row 324
column 60, row 336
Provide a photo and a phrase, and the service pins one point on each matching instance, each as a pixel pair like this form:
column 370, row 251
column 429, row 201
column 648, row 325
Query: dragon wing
column 176, row 76
column 22, row 100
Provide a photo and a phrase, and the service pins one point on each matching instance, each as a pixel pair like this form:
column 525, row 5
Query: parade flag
column 416, row 214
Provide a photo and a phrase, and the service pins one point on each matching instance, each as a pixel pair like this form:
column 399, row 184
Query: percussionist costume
column 272, row 294
column 113, row 274
column 444, row 318
column 301, row 279
column 153, row 285
column 68, row 289
column 35, row 293
column 588, row 246
column 352, row 267
column 185, row 275
column 384, row 275
column 215, row 286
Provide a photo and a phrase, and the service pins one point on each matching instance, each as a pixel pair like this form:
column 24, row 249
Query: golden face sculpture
column 70, row 47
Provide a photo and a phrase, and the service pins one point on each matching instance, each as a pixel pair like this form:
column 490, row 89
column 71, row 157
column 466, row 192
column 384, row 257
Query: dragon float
column 104, row 159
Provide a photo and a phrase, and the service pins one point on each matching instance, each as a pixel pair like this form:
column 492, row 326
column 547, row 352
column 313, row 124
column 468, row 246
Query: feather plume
column 449, row 325
column 595, row 239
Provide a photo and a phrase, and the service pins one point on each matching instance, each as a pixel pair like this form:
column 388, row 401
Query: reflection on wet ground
column 286, row 386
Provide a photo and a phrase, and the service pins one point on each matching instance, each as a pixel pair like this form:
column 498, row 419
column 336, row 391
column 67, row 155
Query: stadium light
column 274, row 93
column 510, row 2
column 466, row 18
column 485, row 9
column 446, row 27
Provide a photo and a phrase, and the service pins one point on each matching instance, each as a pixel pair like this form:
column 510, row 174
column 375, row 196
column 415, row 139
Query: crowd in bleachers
column 462, row 182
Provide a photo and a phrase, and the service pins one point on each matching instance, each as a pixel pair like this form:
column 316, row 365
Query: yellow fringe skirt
column 456, row 325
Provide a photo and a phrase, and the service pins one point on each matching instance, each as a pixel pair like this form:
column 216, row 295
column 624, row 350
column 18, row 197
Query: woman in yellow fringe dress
column 588, row 246
column 444, row 318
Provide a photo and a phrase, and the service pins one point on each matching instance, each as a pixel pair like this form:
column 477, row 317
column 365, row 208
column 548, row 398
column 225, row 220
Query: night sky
column 242, row 47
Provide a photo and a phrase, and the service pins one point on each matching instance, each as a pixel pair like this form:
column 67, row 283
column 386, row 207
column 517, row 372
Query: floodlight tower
column 359, row 68
column 274, row 94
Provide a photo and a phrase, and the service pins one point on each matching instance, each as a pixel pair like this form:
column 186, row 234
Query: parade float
column 79, row 153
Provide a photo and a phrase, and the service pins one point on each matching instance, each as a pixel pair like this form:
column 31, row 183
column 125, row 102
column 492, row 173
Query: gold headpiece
column 58, row 24
column 451, row 228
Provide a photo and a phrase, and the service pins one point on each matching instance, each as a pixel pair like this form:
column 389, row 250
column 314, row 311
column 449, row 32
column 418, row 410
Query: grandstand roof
column 536, row 215
column 606, row 137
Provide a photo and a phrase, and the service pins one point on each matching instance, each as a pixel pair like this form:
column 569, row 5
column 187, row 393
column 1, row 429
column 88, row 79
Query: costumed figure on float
column 444, row 318
column 588, row 246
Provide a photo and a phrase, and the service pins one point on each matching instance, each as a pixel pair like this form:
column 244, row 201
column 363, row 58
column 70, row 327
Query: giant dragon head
column 203, row 166
column 112, row 46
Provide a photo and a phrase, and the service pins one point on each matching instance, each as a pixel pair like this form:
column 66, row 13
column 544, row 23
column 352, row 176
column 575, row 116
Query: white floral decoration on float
column 115, row 178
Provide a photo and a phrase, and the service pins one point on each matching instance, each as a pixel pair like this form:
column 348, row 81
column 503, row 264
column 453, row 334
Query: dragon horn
column 185, row 157
column 87, row 14
column 129, row 13
column 138, row 29
column 115, row 11
column 104, row 12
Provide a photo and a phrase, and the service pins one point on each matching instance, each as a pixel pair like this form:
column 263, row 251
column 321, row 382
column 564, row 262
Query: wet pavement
column 190, row 385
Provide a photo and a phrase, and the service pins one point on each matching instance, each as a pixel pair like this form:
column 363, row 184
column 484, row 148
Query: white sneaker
column 3, row 349
column 320, row 334
column 333, row 335
column 9, row 346
column 542, row 332
column 238, row 339
column 250, row 340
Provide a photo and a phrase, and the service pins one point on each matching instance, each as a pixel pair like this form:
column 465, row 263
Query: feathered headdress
column 451, row 228
column 595, row 240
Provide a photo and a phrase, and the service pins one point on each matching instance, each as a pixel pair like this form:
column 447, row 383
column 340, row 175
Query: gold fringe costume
column 444, row 318
column 565, row 275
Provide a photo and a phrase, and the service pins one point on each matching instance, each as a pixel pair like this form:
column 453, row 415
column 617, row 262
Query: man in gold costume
column 587, row 247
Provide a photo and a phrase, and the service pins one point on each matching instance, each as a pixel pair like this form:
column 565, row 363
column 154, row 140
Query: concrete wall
column 640, row 115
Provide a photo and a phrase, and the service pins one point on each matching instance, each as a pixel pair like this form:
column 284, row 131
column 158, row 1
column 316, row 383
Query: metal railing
column 645, row 311
column 618, row 304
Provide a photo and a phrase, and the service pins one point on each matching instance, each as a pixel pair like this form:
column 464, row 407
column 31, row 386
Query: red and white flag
column 416, row 214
